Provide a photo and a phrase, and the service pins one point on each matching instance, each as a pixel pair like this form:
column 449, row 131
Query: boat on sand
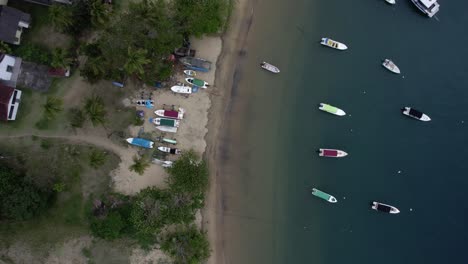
column 170, row 113
column 181, row 89
column 197, row 82
column 166, row 122
column 167, row 129
column 269, row 67
column 333, row 44
column 141, row 142
column 331, row 109
column 170, row 150
column 190, row 73
column 333, row 153
column 391, row 66
column 323, row 195
column 385, row 208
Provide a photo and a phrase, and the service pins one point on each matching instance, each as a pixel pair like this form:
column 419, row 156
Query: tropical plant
column 97, row 158
column 110, row 227
column 200, row 17
column 95, row 109
column 187, row 245
column 52, row 107
column 77, row 117
column 99, row 12
column 60, row 58
column 187, row 175
column 34, row 53
column 136, row 60
column 4, row 48
column 60, row 16
column 94, row 69
column 139, row 165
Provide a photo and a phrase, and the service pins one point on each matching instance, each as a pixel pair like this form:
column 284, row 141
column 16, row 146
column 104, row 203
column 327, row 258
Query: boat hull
column 323, row 195
column 407, row 112
column 167, row 129
column 331, row 109
column 333, row 44
column 190, row 73
column 140, row 142
column 392, row 2
column 269, row 67
column 169, row 150
column 201, row 84
column 423, row 9
column 170, row 114
column 170, row 141
column 385, row 208
column 332, row 153
column 181, row 89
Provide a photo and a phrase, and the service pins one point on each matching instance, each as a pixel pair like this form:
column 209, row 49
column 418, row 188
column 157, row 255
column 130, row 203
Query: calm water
column 270, row 160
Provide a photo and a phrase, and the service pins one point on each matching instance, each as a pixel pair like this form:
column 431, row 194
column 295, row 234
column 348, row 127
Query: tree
column 94, row 69
column 110, row 227
column 60, row 58
column 200, row 17
column 187, row 245
column 140, row 164
column 60, row 16
column 94, row 108
column 136, row 60
column 77, row 117
column 99, row 12
column 187, row 175
column 52, row 107
column 4, row 48
column 149, row 210
column 97, row 158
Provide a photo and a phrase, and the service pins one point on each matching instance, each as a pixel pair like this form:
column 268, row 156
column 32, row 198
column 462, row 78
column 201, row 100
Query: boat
column 170, row 113
column 181, row 89
column 415, row 114
column 325, row 196
column 331, row 109
column 141, row 142
column 170, row 141
column 163, row 163
column 165, row 122
column 269, row 67
column 167, row 129
column 391, row 66
column 197, row 82
column 170, row 150
column 190, row 73
column 381, row 207
column 333, row 44
column 392, row 2
column 428, row 7
column 334, row 153
column 196, row 64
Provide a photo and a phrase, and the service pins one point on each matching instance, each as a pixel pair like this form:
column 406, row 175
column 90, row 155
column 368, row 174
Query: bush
column 97, row 158
column 34, row 53
column 187, row 246
column 110, row 227
column 77, row 117
column 187, row 175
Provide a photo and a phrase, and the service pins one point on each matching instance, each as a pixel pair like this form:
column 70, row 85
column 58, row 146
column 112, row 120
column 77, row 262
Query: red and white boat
column 171, row 113
column 333, row 153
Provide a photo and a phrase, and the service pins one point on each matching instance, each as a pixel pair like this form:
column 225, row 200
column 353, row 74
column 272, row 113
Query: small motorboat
column 163, row 163
column 323, row 195
column 165, row 122
column 331, row 109
column 415, row 114
column 190, row 73
column 167, row 129
column 269, row 67
column 381, row 207
column 170, row 113
column 333, row 44
column 141, row 142
column 391, row 66
column 181, row 89
column 170, row 150
column 197, row 82
column 333, row 153
column 392, row 2
column 170, row 141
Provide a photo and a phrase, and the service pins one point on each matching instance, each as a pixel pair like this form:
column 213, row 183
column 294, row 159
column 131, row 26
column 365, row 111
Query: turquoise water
column 270, row 163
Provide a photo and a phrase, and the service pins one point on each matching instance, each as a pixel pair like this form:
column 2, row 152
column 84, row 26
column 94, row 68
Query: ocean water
column 269, row 156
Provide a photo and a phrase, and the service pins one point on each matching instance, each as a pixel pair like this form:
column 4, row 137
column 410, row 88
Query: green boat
column 197, row 82
column 325, row 196
column 331, row 109
column 168, row 140
column 165, row 122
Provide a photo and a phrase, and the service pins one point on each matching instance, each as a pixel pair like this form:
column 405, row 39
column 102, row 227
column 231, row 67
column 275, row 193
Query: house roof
column 9, row 20
column 5, row 96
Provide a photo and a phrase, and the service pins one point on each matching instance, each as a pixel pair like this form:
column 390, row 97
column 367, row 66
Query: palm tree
column 136, row 59
column 60, row 16
column 95, row 109
column 60, row 58
column 140, row 164
column 99, row 12
column 52, row 106
column 97, row 158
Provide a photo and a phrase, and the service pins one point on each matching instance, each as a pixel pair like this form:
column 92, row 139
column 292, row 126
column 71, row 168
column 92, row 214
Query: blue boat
column 141, row 142
column 196, row 64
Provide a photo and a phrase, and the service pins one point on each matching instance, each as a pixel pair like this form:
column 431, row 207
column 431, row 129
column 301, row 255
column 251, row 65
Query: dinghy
column 381, row 207
column 167, row 129
column 269, row 67
column 140, row 142
column 197, row 82
column 181, row 89
column 163, row 163
column 392, row 2
column 190, row 73
column 333, row 44
column 165, row 122
column 170, row 150
column 391, row 66
column 331, row 109
column 170, row 113
column 333, row 153
column 170, row 141
column 408, row 111
column 323, row 195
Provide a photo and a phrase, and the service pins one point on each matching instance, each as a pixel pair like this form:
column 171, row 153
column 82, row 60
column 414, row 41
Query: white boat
column 190, row 73
column 391, row 66
column 170, row 150
column 381, row 207
column 197, row 82
column 428, row 7
column 269, row 67
column 167, row 129
column 415, row 114
column 163, row 163
column 171, row 113
column 333, row 153
column 331, row 109
column 392, row 2
column 333, row 44
column 166, row 122
column 141, row 142
column 181, row 89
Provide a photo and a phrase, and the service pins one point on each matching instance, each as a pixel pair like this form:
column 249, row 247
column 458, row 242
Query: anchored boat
column 325, row 196
column 197, row 82
column 171, row 113
column 392, row 2
column 165, row 122
column 190, row 73
column 333, row 153
column 181, row 89
column 381, row 207
column 391, row 66
column 415, row 114
column 167, row 129
column 331, row 109
column 170, row 150
column 141, row 142
column 428, row 7
column 333, row 44
column 269, row 67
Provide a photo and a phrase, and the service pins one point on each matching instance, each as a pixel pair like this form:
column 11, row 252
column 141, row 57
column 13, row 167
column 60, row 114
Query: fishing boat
column 165, row 122
column 163, row 163
column 170, row 113
column 381, row 207
column 170, row 150
column 331, row 109
column 391, row 66
column 170, row 141
column 141, row 142
column 415, row 114
column 181, row 89
column 190, row 73
column 325, row 196
column 428, row 7
column 392, row 2
column 269, row 67
column 167, row 129
column 333, row 153
column 196, row 64
column 333, row 44
column 197, row 82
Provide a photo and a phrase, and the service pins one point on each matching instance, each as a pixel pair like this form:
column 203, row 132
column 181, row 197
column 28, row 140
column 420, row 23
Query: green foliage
column 109, row 227
column 59, row 187
column 200, row 17
column 138, row 121
column 52, row 107
column 187, row 246
column 60, row 58
column 97, row 158
column 187, row 175
column 34, row 53
column 99, row 12
column 46, row 144
column 61, row 17
column 136, row 60
column 77, row 117
column 139, row 165
column 4, row 48
column 95, row 109
column 94, row 69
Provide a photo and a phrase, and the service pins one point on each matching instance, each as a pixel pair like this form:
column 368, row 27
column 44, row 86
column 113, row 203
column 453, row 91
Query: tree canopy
column 187, row 246
column 188, row 175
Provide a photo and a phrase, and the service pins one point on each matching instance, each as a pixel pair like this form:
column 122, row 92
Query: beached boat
column 269, row 67
column 171, row 113
column 181, row 89
column 392, row 2
column 391, row 66
column 197, row 82
column 381, row 207
column 190, row 73
column 428, row 7
column 323, row 195
column 333, row 153
column 166, row 122
column 408, row 111
column 169, row 150
column 331, row 109
column 196, row 64
column 167, row 129
column 333, row 44
column 170, row 141
column 163, row 163
column 141, row 142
